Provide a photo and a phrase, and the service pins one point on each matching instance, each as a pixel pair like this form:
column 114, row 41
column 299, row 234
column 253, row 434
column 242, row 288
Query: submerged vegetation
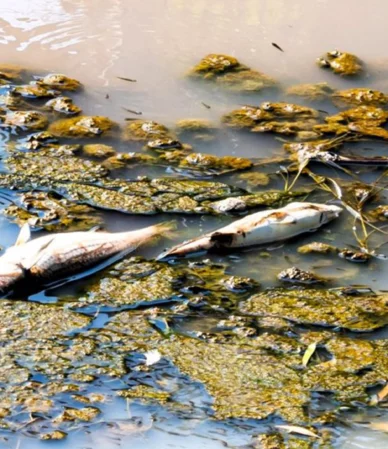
column 281, row 351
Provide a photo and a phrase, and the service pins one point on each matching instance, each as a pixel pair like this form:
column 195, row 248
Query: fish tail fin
column 196, row 245
column 167, row 229
column 154, row 232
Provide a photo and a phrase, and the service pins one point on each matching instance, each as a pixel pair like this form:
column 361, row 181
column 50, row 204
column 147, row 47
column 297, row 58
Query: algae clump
column 361, row 95
column 142, row 130
column 312, row 92
column 98, row 150
column 82, row 126
column 63, row 105
column 228, row 72
column 31, row 120
column 341, row 63
column 60, row 82
column 328, row 308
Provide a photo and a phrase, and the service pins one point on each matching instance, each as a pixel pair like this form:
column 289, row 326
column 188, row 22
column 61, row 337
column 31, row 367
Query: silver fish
column 56, row 256
column 261, row 228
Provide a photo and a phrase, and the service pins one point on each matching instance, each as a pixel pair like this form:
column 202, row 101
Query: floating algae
column 145, row 392
column 246, row 374
column 42, row 210
column 370, row 114
column 143, row 130
column 214, row 65
column 295, row 275
column 34, row 91
column 360, row 121
column 26, row 120
column 134, row 197
column 63, row 105
column 201, row 160
column 10, row 72
column 328, row 308
column 165, row 144
column 361, row 96
column 82, row 126
column 271, row 115
column 252, row 381
column 317, row 247
column 312, row 92
column 98, row 150
column 136, row 282
column 198, row 129
column 122, row 160
column 43, row 165
column 255, row 179
column 251, row 364
column 229, row 73
column 341, row 63
column 60, row 82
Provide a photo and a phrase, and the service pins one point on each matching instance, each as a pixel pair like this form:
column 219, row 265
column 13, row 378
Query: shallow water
column 155, row 43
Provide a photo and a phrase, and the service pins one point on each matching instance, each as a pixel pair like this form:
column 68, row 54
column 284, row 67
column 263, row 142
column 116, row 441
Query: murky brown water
column 155, row 42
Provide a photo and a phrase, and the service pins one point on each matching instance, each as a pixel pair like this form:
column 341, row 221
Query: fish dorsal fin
column 24, row 235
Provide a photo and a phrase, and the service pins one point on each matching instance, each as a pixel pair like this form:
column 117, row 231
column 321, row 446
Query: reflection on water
column 155, row 42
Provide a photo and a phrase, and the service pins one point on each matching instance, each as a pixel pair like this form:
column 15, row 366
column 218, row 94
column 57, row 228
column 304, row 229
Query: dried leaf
column 298, row 429
column 308, row 353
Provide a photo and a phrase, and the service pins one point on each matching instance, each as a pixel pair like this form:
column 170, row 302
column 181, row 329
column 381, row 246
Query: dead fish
column 261, row 228
column 56, row 256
